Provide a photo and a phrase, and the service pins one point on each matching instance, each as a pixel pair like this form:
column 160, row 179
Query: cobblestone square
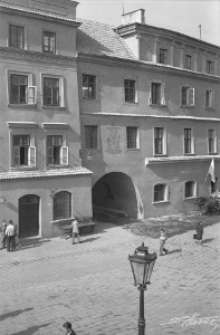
column 90, row 284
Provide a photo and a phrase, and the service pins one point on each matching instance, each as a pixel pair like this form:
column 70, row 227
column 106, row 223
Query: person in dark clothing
column 69, row 330
column 199, row 232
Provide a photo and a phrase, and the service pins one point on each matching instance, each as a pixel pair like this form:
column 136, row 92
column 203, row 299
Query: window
column 188, row 96
column 129, row 88
column 188, row 62
column 16, row 37
column 57, row 153
column 132, row 137
column 62, row 205
column 89, row 86
column 51, row 92
column 211, row 141
column 91, row 137
column 160, row 192
column 22, row 153
column 187, row 141
column 159, row 141
column 209, row 67
column 163, row 56
column 190, row 189
column 208, row 99
column 20, row 92
column 157, row 94
column 49, row 42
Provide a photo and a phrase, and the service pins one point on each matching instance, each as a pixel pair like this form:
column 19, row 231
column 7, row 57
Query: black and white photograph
column 109, row 167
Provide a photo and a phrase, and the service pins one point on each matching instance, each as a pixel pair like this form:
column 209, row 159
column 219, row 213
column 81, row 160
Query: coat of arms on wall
column 113, row 140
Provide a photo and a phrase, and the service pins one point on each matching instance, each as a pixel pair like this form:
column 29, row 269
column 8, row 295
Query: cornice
column 27, row 55
column 144, row 65
column 38, row 15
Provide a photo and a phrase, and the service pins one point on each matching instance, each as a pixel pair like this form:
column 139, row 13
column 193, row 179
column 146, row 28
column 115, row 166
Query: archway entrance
column 117, row 191
column 28, row 216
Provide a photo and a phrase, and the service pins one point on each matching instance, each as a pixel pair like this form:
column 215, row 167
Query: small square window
column 160, row 192
column 89, row 86
column 91, row 137
column 130, row 91
column 49, row 42
column 16, row 37
column 190, row 189
column 132, row 137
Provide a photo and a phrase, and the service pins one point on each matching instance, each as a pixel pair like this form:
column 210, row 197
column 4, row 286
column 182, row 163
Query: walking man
column 163, row 238
column 10, row 233
column 75, row 231
column 3, row 227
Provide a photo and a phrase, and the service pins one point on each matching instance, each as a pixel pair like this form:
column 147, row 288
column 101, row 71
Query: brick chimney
column 136, row 16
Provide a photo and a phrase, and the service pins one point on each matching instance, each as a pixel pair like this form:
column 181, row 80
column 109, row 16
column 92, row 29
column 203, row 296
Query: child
column 75, row 231
column 69, row 330
column 163, row 238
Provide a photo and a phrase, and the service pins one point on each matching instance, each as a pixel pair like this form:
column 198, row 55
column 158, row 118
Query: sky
column 183, row 16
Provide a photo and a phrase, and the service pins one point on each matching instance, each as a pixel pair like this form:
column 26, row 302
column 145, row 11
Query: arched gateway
column 116, row 190
column 28, row 216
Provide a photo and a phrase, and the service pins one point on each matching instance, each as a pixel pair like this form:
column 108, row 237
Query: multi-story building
column 42, row 181
column 150, row 115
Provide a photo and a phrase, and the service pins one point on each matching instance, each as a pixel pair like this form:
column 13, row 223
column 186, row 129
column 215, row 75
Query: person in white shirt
column 163, row 238
column 75, row 231
column 10, row 233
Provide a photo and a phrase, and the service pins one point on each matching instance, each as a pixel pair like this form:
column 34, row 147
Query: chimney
column 136, row 16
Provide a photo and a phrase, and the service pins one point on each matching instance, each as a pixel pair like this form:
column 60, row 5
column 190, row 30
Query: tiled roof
column 78, row 170
column 95, row 38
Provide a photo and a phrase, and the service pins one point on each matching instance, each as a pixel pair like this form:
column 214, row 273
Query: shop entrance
column 28, row 216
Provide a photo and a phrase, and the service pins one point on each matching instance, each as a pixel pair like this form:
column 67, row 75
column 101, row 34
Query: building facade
column 150, row 116
column 42, row 181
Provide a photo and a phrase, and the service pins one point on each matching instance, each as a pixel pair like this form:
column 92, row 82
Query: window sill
column 89, row 99
column 133, row 149
column 210, row 109
column 53, row 107
column 22, row 105
column 213, row 153
column 157, row 105
column 189, row 154
column 160, row 202
column 56, row 166
column 187, row 106
column 160, row 155
column 190, row 198
column 131, row 103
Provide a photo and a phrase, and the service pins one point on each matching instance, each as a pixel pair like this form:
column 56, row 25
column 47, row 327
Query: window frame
column 93, row 96
column 214, row 141
column 190, row 95
column 165, row 195
column 62, row 91
column 163, row 55
column 55, row 218
column 192, row 146
column 163, row 141
column 15, row 25
column 31, row 93
column 43, row 45
column 188, row 62
column 63, row 152
column 209, row 66
column 88, row 126
column 194, row 191
column 134, row 93
column 137, row 138
column 32, row 156
column 162, row 101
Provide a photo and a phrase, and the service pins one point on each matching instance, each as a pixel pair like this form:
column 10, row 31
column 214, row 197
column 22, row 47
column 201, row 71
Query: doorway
column 28, row 216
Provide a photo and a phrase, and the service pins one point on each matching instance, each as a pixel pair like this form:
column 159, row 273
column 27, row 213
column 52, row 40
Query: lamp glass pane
column 148, row 271
column 138, row 268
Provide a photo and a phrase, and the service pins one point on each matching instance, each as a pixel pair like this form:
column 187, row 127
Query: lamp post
column 142, row 263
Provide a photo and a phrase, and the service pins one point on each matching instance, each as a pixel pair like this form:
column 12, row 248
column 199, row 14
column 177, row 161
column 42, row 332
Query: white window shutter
column 163, row 101
column 32, row 156
column 61, row 92
column 191, row 96
column 150, row 98
column 64, row 155
column 32, row 95
column 16, row 155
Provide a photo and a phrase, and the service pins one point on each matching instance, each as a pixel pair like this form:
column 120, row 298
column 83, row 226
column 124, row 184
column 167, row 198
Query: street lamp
column 142, row 264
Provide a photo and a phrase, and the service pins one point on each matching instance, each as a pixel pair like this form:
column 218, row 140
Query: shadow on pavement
column 89, row 239
column 174, row 251
column 207, row 240
column 31, row 243
column 14, row 313
column 31, row 330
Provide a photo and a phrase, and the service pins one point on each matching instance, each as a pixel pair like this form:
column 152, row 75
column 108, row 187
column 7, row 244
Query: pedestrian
column 163, row 238
column 75, row 231
column 10, row 233
column 199, row 232
column 3, row 237
column 16, row 239
column 69, row 330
